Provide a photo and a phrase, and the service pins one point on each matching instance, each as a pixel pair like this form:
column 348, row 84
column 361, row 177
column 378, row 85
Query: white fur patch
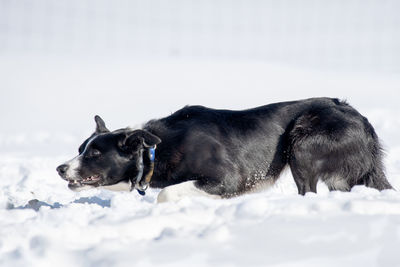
column 82, row 188
column 73, row 165
column 337, row 183
column 182, row 190
column 120, row 186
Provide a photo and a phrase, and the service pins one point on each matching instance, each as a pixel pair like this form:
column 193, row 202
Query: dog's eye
column 93, row 153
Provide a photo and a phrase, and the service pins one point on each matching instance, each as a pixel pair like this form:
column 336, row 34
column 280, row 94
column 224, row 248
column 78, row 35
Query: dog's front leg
column 182, row 190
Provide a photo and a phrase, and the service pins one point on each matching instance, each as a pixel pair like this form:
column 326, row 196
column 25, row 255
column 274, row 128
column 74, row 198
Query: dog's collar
column 142, row 184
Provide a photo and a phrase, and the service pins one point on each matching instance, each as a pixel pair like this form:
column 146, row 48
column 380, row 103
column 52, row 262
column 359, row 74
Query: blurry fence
column 359, row 34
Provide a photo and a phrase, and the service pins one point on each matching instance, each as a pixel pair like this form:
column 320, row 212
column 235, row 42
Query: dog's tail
column 375, row 177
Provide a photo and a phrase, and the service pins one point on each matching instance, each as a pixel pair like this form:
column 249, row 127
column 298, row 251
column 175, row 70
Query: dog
column 198, row 151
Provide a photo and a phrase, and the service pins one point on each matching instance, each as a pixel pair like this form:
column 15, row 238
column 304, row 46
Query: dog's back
column 231, row 152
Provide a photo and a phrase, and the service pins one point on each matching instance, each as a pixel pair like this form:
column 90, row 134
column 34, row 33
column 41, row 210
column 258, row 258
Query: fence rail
column 344, row 33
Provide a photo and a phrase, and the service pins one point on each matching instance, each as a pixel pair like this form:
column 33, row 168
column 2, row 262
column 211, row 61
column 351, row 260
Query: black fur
column 231, row 152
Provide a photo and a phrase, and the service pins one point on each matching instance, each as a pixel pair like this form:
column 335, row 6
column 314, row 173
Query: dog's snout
column 62, row 169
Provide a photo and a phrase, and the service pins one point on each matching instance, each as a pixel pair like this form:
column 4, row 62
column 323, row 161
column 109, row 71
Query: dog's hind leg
column 305, row 179
column 319, row 150
column 308, row 168
column 338, row 147
column 182, row 190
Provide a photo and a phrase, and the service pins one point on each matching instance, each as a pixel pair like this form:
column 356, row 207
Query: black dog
column 223, row 153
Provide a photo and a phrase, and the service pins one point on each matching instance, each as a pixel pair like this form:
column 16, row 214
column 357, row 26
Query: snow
column 62, row 63
column 273, row 228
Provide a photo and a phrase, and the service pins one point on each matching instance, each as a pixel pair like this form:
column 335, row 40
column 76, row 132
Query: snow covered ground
column 47, row 108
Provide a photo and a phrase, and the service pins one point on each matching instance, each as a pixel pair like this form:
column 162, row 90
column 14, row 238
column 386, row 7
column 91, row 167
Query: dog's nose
column 62, row 169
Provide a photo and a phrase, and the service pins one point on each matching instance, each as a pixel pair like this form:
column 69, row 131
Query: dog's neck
column 142, row 180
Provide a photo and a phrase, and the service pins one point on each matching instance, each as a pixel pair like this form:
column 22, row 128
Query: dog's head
column 106, row 158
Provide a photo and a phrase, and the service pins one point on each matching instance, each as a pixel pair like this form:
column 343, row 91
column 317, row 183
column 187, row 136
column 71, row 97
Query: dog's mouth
column 93, row 180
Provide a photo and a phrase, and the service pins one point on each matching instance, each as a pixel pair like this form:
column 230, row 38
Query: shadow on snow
column 37, row 204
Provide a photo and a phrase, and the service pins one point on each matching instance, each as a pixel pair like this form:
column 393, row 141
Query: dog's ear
column 100, row 125
column 139, row 138
column 149, row 139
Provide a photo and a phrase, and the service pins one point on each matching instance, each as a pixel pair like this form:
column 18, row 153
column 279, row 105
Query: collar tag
column 152, row 153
